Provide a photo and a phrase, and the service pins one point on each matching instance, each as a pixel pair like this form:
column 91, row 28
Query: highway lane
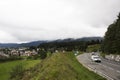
column 114, row 65
column 107, row 69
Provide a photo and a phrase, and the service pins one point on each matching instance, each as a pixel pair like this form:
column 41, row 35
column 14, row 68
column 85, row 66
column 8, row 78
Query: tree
column 111, row 43
column 42, row 53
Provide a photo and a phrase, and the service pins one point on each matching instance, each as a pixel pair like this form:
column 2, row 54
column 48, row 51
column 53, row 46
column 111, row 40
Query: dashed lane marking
column 118, row 71
column 111, row 68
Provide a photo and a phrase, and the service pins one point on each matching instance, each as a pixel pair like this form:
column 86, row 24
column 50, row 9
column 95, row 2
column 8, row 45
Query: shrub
column 12, row 58
column 17, row 70
column 43, row 54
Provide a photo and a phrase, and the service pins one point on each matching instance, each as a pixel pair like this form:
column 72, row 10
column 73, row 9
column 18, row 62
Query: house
column 2, row 55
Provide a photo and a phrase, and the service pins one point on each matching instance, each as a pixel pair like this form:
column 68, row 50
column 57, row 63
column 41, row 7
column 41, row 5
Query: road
column 107, row 69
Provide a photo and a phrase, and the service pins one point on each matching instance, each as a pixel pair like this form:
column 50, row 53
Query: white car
column 95, row 58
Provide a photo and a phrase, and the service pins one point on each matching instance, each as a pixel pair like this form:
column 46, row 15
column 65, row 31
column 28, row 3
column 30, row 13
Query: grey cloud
column 28, row 20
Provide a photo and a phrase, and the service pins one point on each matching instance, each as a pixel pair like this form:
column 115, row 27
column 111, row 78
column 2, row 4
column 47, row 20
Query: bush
column 29, row 57
column 17, row 70
column 34, row 57
column 43, row 54
column 93, row 48
column 12, row 58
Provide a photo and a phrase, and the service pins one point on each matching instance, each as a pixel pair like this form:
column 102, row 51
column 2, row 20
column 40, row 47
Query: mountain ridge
column 36, row 43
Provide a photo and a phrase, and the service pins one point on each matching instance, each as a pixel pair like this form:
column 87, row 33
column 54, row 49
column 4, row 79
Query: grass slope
column 6, row 67
column 93, row 48
column 60, row 66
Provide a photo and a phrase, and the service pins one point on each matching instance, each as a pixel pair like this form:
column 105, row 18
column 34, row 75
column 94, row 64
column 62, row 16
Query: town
column 24, row 51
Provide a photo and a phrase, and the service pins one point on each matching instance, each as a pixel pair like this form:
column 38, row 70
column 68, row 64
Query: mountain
column 15, row 45
column 90, row 38
column 79, row 39
column 36, row 43
column 4, row 45
column 64, row 40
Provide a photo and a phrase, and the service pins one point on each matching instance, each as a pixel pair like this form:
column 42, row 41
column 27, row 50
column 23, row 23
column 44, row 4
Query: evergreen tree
column 111, row 43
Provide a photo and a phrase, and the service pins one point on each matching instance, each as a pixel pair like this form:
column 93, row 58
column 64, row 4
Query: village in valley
column 7, row 52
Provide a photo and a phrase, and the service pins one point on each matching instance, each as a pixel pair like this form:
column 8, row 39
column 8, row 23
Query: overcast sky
column 31, row 20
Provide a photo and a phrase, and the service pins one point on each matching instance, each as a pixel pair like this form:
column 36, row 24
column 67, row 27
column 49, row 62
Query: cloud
column 28, row 20
column 7, row 38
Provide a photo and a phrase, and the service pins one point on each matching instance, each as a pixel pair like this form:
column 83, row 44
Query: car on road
column 93, row 53
column 96, row 58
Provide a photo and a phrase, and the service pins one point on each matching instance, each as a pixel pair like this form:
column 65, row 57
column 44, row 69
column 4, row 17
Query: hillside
column 6, row 67
column 111, row 43
column 60, row 66
column 36, row 43
column 16, row 45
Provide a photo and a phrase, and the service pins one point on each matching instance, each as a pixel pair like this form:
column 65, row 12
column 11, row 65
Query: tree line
column 68, row 46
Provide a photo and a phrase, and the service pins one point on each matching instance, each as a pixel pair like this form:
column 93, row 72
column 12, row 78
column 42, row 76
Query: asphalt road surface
column 108, row 69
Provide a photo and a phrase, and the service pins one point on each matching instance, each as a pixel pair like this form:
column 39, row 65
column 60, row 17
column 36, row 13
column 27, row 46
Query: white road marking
column 114, row 64
column 110, row 68
column 118, row 71
column 99, row 72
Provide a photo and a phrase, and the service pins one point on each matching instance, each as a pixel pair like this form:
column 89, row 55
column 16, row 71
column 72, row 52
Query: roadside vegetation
column 111, row 43
column 7, row 67
column 11, row 58
column 59, row 66
column 94, row 48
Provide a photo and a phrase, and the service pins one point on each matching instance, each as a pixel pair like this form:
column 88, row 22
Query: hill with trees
column 58, row 66
column 111, row 43
column 37, row 43
column 70, row 44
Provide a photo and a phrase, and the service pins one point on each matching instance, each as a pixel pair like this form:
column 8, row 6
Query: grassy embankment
column 94, row 48
column 60, row 66
column 6, row 67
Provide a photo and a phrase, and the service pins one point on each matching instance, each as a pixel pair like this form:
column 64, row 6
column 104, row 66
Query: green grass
column 60, row 66
column 6, row 67
column 102, row 54
column 93, row 48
